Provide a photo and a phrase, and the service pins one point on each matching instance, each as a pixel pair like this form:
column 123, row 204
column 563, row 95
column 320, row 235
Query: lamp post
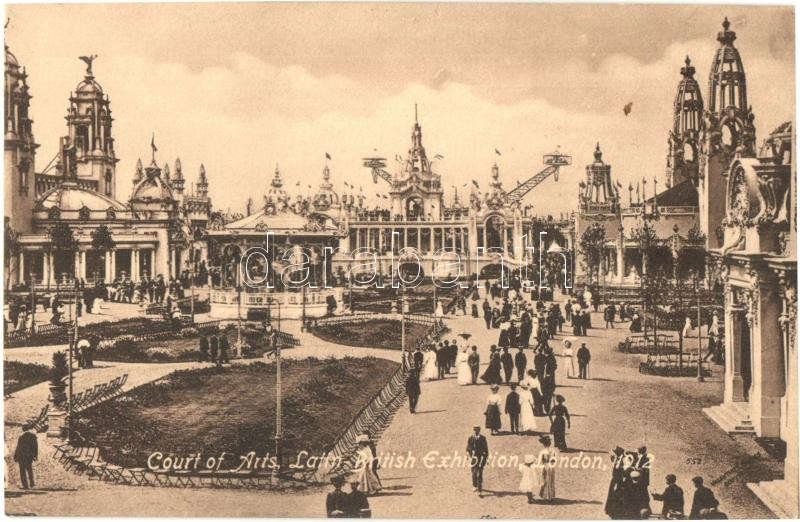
column 700, row 377
column 239, row 321
column 274, row 337
column 33, row 304
column 403, row 322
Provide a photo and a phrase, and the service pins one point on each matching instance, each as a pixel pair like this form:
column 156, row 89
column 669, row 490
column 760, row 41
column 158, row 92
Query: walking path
column 617, row 406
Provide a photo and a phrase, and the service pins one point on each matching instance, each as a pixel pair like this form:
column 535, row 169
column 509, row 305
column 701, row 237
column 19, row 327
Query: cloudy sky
column 243, row 87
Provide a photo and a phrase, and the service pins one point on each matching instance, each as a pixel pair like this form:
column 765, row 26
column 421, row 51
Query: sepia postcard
column 400, row 260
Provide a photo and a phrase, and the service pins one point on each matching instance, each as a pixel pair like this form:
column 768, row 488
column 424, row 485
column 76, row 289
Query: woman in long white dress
column 547, row 462
column 528, row 484
column 527, row 420
column 431, row 372
column 568, row 351
column 464, row 374
column 368, row 480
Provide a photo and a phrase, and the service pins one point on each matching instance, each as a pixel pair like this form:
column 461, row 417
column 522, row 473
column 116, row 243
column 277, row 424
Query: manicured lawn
column 18, row 375
column 375, row 333
column 232, row 409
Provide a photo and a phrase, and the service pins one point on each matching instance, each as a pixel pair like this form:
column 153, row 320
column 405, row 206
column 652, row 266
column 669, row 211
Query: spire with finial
column 202, row 182
column 167, row 174
column 178, row 181
column 137, row 176
column 726, row 36
column 688, row 71
column 598, row 154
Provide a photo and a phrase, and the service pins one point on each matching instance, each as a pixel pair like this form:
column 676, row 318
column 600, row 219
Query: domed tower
column 20, row 148
column 728, row 132
column 89, row 125
column 598, row 193
column 684, row 138
column 417, row 191
column 326, row 198
column 276, row 198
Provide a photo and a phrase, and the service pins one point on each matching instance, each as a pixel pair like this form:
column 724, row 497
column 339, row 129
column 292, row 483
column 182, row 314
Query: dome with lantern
column 276, row 198
column 325, row 198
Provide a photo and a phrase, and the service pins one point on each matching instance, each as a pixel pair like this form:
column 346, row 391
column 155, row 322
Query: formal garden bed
column 420, row 298
column 372, row 333
column 232, row 409
column 19, row 375
column 103, row 330
column 180, row 346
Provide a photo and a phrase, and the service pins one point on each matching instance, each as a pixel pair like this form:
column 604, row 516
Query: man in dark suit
column 214, row 347
column 583, row 361
column 507, row 360
column 474, row 362
column 224, row 346
column 478, row 451
column 487, row 314
column 513, row 408
column 703, row 500
column 521, row 363
column 672, row 497
column 446, row 356
column 27, row 451
column 441, row 360
column 203, row 348
column 412, row 389
column 419, row 359
column 336, row 502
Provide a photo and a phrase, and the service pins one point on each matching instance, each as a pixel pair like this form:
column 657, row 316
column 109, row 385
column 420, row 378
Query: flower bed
column 18, row 375
column 178, row 346
column 372, row 333
column 232, row 409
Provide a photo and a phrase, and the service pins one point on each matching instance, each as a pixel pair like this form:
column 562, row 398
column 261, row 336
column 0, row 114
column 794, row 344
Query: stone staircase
column 733, row 417
column 778, row 495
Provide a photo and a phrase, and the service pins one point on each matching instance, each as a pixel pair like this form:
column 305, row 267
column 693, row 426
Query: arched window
column 108, row 182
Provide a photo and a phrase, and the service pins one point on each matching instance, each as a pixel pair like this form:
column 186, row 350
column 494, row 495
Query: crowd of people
column 629, row 492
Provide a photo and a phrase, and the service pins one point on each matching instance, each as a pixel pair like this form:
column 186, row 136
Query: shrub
column 59, row 369
column 189, row 332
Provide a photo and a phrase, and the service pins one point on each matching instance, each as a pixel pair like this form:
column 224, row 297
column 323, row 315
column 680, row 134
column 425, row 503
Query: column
column 419, row 238
column 113, row 264
column 51, row 276
column 21, row 266
column 135, row 264
column 430, row 241
column 107, row 258
column 734, row 386
column 768, row 365
column 152, row 267
column 171, row 262
column 83, row 265
column 620, row 255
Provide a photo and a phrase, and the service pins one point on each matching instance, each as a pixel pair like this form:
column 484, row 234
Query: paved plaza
column 616, row 406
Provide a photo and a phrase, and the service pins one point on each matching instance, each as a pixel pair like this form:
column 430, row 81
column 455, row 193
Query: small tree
column 62, row 239
column 102, row 239
column 590, row 246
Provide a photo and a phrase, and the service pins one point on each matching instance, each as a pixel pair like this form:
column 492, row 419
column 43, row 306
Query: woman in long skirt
column 568, row 351
column 368, row 480
column 492, row 373
column 493, row 410
column 431, row 372
column 547, row 462
column 527, row 420
column 464, row 376
column 559, row 422
column 535, row 387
